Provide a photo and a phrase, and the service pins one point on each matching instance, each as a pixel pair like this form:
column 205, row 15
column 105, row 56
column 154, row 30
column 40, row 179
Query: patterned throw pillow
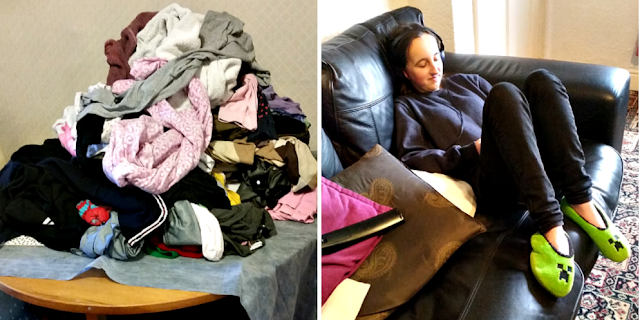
column 410, row 254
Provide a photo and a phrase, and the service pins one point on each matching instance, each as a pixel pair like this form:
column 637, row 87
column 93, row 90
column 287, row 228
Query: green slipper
column 611, row 242
column 553, row 270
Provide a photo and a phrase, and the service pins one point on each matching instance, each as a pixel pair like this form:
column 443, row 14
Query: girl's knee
column 540, row 79
column 504, row 99
column 504, row 93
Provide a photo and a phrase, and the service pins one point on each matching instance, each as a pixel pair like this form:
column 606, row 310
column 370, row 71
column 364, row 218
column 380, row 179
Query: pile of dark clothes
column 145, row 162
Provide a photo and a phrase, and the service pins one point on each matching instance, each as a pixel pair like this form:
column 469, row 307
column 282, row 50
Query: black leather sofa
column 489, row 277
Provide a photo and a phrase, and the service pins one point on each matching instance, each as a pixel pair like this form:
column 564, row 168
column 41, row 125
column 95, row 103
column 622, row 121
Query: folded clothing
column 296, row 206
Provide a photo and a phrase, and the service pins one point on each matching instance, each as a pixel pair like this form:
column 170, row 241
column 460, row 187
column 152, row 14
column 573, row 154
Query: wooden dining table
column 95, row 295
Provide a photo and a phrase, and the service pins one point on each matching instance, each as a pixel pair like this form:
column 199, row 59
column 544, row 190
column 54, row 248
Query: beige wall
column 3, row 160
column 51, row 49
column 438, row 15
column 593, row 31
column 335, row 16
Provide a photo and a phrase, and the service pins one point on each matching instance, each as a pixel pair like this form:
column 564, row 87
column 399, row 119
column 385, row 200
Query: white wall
column 593, row 31
column 335, row 16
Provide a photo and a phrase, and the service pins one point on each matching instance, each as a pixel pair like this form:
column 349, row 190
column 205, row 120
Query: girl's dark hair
column 397, row 46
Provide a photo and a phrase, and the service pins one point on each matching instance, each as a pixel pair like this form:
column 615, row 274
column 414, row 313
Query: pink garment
column 142, row 154
column 67, row 139
column 340, row 208
column 242, row 108
column 296, row 206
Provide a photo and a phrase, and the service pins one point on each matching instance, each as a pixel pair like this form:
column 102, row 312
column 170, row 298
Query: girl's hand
column 477, row 143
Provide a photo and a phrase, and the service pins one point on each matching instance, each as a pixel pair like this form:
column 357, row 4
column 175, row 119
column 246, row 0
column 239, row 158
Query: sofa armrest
column 598, row 94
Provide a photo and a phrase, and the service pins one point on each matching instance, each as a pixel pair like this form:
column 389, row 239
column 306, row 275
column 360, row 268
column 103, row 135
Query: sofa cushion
column 411, row 253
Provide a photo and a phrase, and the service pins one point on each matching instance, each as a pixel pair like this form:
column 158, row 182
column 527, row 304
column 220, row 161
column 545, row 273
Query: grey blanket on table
column 276, row 282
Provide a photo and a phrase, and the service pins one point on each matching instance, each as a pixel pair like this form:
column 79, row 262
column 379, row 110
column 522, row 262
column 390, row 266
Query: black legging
column 530, row 150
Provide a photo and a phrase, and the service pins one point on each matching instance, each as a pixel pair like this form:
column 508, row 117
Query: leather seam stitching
column 365, row 106
column 340, row 152
column 375, row 125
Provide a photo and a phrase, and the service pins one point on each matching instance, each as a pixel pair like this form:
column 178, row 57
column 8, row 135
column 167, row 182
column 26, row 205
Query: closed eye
column 421, row 63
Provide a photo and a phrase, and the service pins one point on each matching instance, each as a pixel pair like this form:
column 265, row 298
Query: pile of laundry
column 187, row 150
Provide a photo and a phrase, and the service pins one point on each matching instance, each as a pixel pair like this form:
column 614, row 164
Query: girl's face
column 424, row 66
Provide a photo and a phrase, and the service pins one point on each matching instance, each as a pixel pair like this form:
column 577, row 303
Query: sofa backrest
column 357, row 88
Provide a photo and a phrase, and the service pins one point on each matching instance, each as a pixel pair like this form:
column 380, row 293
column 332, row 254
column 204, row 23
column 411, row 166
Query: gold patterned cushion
column 410, row 254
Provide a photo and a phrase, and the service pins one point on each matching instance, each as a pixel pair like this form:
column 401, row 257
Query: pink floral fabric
column 142, row 154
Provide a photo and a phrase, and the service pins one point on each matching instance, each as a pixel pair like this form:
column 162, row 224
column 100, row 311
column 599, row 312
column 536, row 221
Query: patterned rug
column 611, row 291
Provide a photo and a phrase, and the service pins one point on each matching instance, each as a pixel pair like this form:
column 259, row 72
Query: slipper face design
column 564, row 274
column 617, row 244
column 611, row 242
column 553, row 271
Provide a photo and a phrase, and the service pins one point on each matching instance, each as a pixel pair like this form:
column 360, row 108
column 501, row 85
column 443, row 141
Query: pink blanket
column 142, row 154
column 340, row 208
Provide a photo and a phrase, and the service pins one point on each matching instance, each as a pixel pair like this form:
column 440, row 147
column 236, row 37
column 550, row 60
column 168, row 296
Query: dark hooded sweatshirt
column 435, row 131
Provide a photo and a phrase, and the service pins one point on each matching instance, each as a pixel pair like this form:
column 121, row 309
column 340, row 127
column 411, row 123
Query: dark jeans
column 530, row 150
